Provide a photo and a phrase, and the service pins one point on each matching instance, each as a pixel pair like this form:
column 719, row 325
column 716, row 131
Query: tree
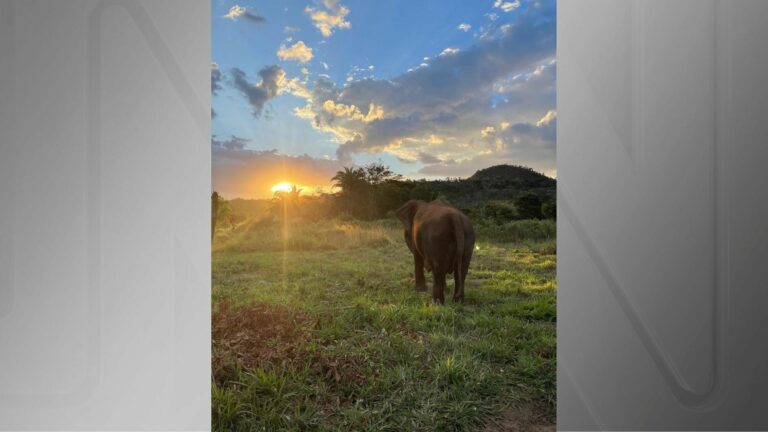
column 529, row 206
column 376, row 173
column 214, row 212
column 369, row 191
column 286, row 203
column 549, row 210
column 220, row 212
column 349, row 180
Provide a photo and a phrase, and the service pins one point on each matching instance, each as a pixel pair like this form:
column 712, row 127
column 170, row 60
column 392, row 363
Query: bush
column 516, row 231
column 529, row 206
column 549, row 210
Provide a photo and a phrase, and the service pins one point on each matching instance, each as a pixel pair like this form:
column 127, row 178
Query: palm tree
column 349, row 179
column 286, row 202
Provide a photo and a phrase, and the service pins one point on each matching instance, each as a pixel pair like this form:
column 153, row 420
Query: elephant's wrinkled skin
column 441, row 239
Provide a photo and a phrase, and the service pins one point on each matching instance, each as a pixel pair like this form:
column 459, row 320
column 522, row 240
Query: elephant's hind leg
column 421, row 283
column 438, row 287
column 458, row 285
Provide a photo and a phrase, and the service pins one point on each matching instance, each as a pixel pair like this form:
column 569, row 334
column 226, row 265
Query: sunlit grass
column 376, row 354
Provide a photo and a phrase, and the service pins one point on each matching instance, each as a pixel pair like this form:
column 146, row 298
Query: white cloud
column 353, row 112
column 449, row 51
column 299, row 52
column 464, row 27
column 507, row 6
column 548, row 118
column 332, row 15
column 237, row 12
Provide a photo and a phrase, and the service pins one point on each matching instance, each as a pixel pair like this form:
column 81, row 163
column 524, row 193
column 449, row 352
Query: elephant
column 442, row 240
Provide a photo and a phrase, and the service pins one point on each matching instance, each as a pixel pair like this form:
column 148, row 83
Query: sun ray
column 281, row 187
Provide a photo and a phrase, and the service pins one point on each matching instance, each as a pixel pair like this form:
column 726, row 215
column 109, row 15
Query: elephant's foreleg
column 418, row 272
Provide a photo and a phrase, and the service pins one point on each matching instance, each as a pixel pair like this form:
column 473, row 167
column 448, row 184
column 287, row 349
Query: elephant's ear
column 407, row 212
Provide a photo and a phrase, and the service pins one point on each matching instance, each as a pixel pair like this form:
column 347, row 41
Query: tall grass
column 266, row 234
column 321, row 329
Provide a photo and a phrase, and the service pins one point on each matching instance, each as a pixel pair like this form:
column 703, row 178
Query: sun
column 281, row 187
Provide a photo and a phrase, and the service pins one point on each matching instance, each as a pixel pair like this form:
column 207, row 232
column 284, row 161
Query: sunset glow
column 281, row 187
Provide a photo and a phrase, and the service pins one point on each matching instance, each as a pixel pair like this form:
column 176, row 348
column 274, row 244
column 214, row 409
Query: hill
column 505, row 183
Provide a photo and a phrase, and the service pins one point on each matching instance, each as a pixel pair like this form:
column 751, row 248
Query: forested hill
column 496, row 183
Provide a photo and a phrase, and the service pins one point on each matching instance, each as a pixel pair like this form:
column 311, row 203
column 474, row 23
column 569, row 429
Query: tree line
column 374, row 191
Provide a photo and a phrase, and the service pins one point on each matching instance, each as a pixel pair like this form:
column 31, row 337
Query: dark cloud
column 216, row 79
column 451, row 95
column 233, row 143
column 452, row 78
column 237, row 12
column 427, row 158
column 521, row 135
column 253, row 18
column 529, row 144
column 344, row 152
column 266, row 89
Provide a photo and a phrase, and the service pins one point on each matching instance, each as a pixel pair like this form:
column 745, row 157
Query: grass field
column 317, row 326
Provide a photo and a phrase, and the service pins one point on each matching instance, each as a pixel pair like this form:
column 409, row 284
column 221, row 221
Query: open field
column 317, row 326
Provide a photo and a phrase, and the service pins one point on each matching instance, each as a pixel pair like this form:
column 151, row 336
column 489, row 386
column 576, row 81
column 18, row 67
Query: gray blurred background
column 104, row 215
column 662, row 275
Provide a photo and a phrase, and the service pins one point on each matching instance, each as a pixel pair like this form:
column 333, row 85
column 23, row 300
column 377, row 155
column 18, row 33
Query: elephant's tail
column 458, row 232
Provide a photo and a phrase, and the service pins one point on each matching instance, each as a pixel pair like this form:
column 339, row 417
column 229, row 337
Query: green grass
column 365, row 351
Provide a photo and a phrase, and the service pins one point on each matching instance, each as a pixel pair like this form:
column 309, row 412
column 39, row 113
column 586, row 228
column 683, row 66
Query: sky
column 432, row 89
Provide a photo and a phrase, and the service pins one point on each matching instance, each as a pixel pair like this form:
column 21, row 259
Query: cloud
column 488, row 103
column 216, row 78
column 506, row 77
column 330, row 16
column 464, row 27
column 426, row 158
column 548, row 119
column 297, row 52
column 541, row 133
column 236, row 12
column 272, row 77
column 449, row 51
column 233, row 143
column 251, row 173
column 506, row 6
column 352, row 112
column 290, row 29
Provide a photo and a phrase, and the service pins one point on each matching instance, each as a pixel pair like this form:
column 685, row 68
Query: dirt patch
column 529, row 417
column 339, row 369
column 264, row 335
column 256, row 336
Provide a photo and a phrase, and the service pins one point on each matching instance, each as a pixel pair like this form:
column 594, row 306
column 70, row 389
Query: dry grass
column 525, row 418
column 256, row 336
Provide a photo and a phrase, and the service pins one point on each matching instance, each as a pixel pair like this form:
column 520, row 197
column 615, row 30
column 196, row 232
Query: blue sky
column 430, row 88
